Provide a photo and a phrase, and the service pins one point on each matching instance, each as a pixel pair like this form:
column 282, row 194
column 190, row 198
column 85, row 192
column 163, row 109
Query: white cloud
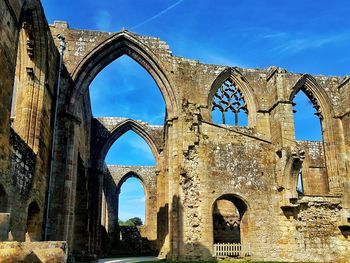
column 300, row 41
column 166, row 10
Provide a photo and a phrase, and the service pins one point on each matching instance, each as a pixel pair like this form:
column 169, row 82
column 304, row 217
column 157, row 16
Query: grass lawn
column 221, row 261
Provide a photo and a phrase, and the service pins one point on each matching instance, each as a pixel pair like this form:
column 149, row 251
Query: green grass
column 221, row 261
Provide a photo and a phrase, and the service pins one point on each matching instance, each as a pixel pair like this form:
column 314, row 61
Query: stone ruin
column 55, row 185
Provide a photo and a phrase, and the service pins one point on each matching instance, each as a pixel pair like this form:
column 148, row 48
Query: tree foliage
column 135, row 221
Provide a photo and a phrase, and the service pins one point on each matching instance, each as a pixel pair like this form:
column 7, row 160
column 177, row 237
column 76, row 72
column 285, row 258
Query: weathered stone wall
column 29, row 82
column 22, row 164
column 314, row 172
column 197, row 161
column 9, row 26
column 33, row 252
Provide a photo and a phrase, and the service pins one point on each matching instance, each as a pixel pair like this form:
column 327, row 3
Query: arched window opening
column 126, row 89
column 229, row 106
column 312, row 177
column 306, row 119
column 131, row 200
column 33, row 222
column 300, row 188
column 3, row 200
column 130, row 149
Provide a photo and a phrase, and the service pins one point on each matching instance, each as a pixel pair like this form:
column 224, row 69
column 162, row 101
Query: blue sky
column 303, row 36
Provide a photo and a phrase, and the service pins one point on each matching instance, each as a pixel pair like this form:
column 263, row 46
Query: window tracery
column 228, row 98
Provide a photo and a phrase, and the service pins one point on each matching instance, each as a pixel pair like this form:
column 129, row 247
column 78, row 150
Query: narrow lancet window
column 300, row 188
column 229, row 101
column 307, row 118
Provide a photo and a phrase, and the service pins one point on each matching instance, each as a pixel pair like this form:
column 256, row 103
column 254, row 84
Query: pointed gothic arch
column 121, row 129
column 316, row 93
column 324, row 110
column 127, row 176
column 242, row 85
column 123, row 43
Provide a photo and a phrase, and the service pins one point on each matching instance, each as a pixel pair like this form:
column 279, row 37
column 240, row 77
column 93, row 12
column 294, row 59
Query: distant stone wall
column 114, row 177
column 314, row 171
column 131, row 242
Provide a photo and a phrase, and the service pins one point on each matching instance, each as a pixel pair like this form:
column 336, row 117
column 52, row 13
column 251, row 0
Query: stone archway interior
column 33, row 222
column 226, row 222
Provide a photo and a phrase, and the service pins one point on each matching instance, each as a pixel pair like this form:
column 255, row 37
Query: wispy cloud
column 103, row 20
column 300, row 41
column 157, row 15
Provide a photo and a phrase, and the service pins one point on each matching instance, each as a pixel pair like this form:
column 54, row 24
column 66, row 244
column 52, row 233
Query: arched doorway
column 33, row 222
column 230, row 226
column 3, row 200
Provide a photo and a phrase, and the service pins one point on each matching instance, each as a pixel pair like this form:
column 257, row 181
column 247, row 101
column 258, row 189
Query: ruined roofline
column 166, row 49
column 126, row 118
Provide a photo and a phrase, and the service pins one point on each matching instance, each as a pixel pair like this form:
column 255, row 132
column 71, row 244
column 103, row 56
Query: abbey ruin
column 57, row 196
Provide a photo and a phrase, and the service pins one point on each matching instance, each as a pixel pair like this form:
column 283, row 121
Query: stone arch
column 243, row 208
column 315, row 93
column 128, row 175
column 133, row 174
column 3, row 200
column 322, row 103
column 234, row 75
column 114, row 178
column 33, row 222
column 121, row 129
column 31, row 73
column 123, row 43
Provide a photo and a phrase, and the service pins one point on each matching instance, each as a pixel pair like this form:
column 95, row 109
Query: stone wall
column 314, row 172
column 33, row 252
column 197, row 161
column 22, row 164
column 29, row 83
column 9, row 24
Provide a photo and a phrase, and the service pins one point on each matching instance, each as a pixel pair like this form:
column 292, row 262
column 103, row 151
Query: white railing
column 231, row 250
